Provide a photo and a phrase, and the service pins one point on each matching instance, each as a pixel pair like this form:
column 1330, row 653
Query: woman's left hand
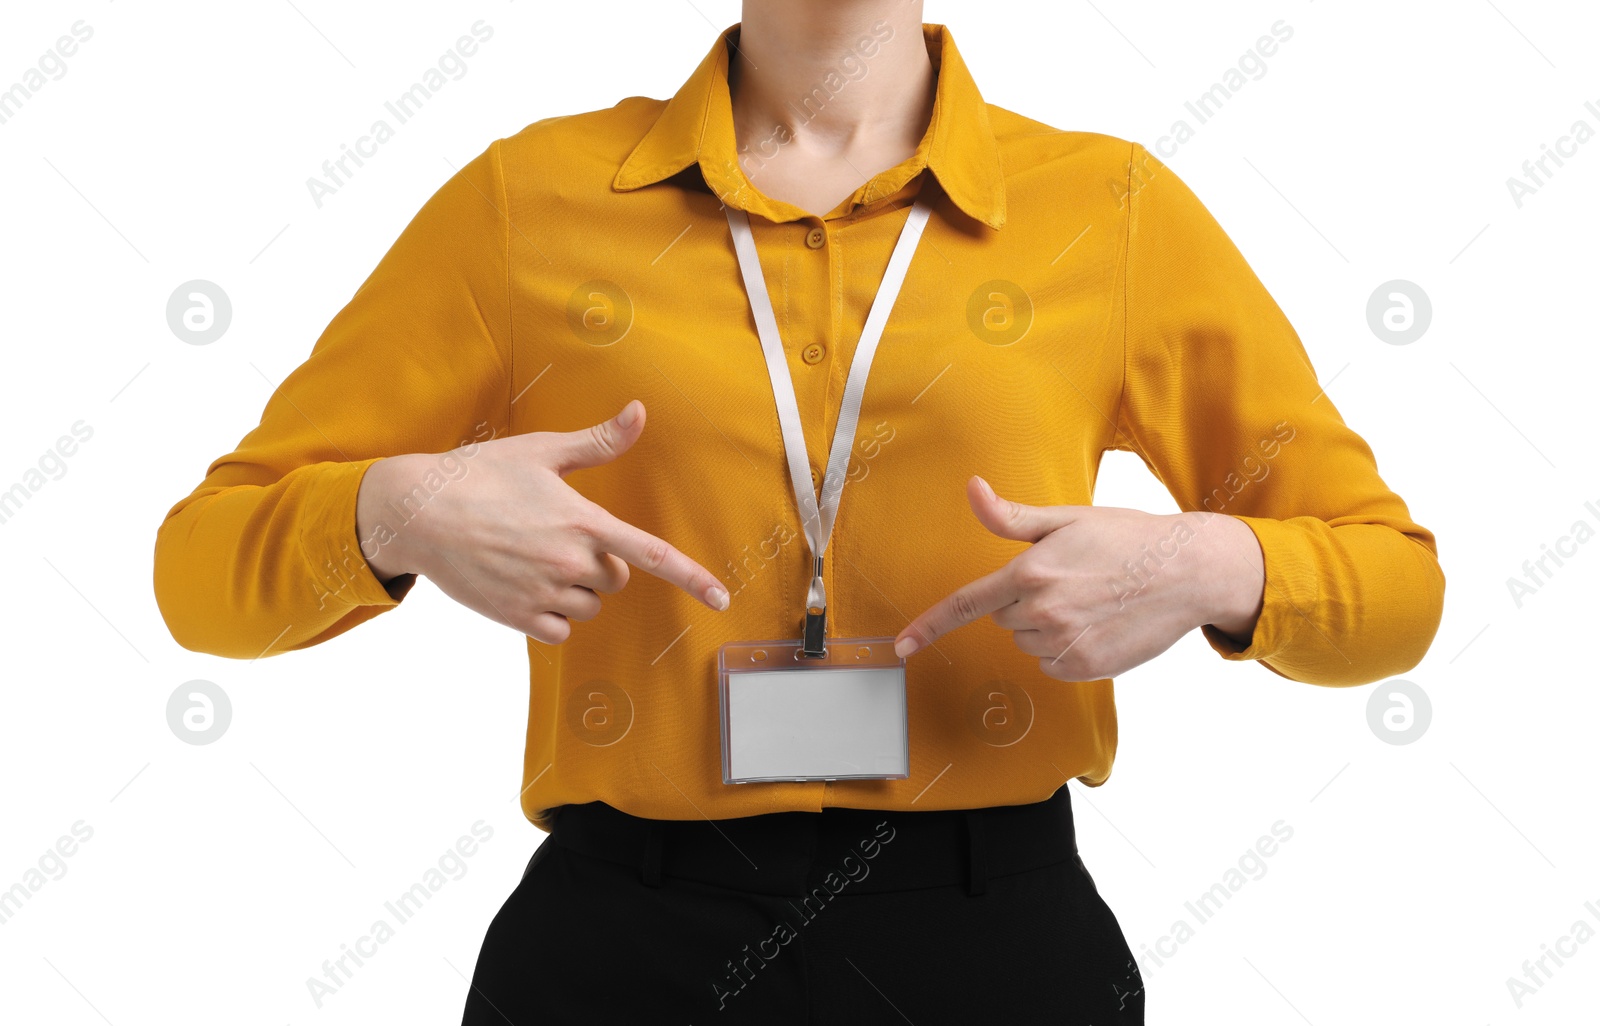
column 1103, row 589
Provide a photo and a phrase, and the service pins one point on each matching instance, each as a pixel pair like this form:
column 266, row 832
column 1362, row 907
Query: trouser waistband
column 790, row 853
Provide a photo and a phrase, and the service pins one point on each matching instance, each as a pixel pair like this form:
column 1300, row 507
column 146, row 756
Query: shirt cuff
column 340, row 573
column 1289, row 596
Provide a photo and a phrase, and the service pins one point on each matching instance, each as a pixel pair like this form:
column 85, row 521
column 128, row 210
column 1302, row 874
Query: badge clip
column 812, row 639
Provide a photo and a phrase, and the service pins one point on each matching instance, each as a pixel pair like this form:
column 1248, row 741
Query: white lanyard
column 818, row 521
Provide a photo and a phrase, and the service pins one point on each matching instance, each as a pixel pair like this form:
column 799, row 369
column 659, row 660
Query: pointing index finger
column 962, row 606
column 654, row 556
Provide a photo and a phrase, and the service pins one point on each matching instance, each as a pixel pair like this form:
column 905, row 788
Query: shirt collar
column 696, row 126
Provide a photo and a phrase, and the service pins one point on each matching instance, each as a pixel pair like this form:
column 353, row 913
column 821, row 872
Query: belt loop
column 650, row 868
column 977, row 868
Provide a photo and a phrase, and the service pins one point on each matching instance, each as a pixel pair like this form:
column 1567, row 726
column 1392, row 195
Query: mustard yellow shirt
column 1070, row 295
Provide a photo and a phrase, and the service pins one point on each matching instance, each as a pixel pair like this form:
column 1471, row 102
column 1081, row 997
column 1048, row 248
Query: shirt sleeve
column 1221, row 402
column 262, row 557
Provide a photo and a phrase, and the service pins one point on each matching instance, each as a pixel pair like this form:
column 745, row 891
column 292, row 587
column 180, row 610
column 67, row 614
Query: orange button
column 816, row 478
column 813, row 353
column 816, row 238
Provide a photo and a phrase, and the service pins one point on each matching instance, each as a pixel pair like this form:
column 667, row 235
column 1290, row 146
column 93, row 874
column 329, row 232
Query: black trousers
column 840, row 917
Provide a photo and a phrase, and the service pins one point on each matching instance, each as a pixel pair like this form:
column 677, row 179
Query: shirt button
column 813, row 353
column 816, row 478
column 816, row 238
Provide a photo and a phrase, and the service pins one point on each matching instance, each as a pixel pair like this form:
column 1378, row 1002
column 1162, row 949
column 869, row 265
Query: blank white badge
column 838, row 717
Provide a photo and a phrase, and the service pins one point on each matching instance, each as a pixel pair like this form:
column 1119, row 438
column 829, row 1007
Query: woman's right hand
column 510, row 538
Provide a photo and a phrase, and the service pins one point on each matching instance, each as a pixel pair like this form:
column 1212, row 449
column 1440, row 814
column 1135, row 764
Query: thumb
column 599, row 443
column 1015, row 520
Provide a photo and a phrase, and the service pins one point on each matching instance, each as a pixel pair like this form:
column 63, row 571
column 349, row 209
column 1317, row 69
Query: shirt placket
column 804, row 304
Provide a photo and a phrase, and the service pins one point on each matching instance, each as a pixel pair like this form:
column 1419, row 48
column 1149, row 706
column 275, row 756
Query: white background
column 1377, row 146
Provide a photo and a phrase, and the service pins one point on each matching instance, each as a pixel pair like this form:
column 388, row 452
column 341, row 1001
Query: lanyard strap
column 817, row 519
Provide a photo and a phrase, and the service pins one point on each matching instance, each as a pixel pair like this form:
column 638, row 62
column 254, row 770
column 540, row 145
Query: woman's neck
column 827, row 93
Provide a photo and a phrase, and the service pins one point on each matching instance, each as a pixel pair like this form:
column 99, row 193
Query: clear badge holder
column 787, row 715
